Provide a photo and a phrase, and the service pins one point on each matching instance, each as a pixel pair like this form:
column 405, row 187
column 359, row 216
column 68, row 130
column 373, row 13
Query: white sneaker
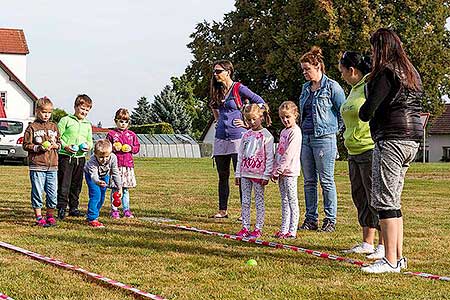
column 363, row 248
column 403, row 263
column 381, row 266
column 378, row 254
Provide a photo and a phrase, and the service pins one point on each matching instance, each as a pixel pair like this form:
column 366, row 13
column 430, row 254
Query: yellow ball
column 126, row 148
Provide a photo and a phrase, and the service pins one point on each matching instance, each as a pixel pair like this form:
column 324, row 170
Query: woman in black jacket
column 394, row 93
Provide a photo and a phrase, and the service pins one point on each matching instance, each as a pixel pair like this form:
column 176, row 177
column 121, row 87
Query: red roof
column 96, row 129
column 12, row 41
column 441, row 125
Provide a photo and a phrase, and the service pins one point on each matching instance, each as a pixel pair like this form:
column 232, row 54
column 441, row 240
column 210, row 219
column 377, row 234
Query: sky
column 114, row 51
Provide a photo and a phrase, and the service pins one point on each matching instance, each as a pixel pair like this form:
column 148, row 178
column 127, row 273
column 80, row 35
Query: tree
column 265, row 39
column 169, row 108
column 141, row 114
column 57, row 114
column 196, row 107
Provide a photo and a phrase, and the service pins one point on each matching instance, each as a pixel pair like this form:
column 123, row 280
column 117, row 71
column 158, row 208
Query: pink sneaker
column 127, row 214
column 255, row 233
column 115, row 214
column 289, row 235
column 51, row 221
column 41, row 222
column 243, row 232
column 279, row 235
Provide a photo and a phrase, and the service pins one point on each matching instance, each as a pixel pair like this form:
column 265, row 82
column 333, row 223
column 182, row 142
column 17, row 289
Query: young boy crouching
column 101, row 171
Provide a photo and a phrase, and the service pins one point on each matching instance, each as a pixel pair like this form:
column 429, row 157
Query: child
column 287, row 169
column 98, row 170
column 254, row 166
column 125, row 144
column 76, row 140
column 41, row 140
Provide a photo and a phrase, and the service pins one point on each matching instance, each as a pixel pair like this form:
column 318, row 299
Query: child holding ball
column 125, row 144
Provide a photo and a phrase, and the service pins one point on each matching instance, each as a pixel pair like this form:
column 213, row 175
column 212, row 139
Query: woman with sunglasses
column 226, row 101
column 124, row 144
column 320, row 101
column 355, row 69
column 393, row 105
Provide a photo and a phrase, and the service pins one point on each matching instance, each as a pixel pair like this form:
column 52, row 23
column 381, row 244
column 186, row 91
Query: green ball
column 251, row 262
column 46, row 144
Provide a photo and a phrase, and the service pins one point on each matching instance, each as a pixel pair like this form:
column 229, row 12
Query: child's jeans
column 247, row 186
column 43, row 181
column 96, row 197
column 125, row 200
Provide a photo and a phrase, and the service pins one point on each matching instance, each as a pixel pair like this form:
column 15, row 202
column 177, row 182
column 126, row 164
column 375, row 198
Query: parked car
column 11, row 139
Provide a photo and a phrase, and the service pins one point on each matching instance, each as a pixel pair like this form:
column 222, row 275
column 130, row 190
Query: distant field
column 185, row 265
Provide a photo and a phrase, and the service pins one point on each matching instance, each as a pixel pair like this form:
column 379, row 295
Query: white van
column 11, row 139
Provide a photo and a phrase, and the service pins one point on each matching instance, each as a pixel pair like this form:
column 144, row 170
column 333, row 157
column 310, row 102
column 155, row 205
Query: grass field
column 185, row 265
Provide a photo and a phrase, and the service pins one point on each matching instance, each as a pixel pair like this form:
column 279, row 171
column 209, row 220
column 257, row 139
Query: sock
column 367, row 246
column 38, row 217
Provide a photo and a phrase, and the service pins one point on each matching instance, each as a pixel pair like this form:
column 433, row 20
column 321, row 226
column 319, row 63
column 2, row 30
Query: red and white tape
column 293, row 248
column 80, row 270
column 5, row 297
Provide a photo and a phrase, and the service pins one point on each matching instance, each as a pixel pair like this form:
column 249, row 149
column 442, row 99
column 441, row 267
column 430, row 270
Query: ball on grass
column 251, row 262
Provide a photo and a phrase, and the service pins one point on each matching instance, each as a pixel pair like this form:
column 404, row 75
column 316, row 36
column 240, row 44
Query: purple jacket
column 229, row 111
column 124, row 159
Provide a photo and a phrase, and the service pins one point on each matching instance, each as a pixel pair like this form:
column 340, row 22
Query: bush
column 155, row 128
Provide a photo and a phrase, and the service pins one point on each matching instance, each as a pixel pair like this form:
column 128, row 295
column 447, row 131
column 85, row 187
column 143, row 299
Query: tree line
column 265, row 39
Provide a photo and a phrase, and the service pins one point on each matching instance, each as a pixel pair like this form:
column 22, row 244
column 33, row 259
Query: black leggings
column 223, row 169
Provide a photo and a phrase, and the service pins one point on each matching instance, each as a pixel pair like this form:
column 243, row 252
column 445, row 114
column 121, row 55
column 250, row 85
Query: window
column 3, row 97
column 446, row 156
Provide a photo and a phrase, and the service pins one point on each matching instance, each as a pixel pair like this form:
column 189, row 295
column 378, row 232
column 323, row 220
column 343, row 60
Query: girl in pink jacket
column 287, row 169
column 125, row 144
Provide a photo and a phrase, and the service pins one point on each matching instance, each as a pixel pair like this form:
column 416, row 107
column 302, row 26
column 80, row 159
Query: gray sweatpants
column 391, row 159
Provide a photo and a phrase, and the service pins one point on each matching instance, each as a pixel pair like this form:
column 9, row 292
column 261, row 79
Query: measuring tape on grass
column 5, row 297
column 163, row 222
column 95, row 276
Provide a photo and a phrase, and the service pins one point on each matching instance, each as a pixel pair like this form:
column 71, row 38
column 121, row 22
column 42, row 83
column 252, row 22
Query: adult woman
column 394, row 93
column 320, row 101
column 226, row 105
column 355, row 69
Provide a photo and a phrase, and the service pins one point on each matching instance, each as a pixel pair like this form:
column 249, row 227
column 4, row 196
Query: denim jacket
column 326, row 105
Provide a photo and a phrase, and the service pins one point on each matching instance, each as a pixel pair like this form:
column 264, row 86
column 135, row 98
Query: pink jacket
column 287, row 156
column 124, row 159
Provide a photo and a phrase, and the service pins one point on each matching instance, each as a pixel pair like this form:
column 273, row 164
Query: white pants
column 289, row 204
column 247, row 185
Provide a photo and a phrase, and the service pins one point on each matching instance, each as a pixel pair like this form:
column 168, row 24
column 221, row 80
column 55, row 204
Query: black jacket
column 393, row 109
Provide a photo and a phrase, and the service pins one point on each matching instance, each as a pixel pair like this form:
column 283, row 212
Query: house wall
column 18, row 104
column 436, row 142
column 17, row 63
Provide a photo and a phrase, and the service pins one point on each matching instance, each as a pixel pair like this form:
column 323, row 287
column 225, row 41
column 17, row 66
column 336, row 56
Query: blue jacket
column 229, row 111
column 326, row 105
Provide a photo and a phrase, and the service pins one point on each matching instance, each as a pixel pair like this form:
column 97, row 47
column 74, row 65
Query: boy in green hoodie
column 76, row 141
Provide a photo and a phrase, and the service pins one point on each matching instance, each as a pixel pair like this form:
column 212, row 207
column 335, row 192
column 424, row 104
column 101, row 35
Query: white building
column 439, row 137
column 17, row 99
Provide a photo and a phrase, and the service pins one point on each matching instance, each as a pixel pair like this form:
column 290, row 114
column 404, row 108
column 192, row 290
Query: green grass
column 186, row 265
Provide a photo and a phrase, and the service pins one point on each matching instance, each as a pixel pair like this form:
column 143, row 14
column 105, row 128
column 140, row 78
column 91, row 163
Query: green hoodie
column 357, row 138
column 74, row 132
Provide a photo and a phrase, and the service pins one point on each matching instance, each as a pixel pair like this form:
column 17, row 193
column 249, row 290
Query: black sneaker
column 328, row 225
column 75, row 213
column 309, row 225
column 61, row 213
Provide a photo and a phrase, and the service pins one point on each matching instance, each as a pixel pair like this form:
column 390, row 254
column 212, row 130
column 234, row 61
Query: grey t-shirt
column 97, row 171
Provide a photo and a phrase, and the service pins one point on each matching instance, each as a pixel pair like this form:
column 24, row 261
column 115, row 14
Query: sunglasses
column 218, row 71
column 123, row 121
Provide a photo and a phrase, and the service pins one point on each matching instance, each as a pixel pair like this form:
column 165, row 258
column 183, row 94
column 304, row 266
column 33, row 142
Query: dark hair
column 216, row 89
column 314, row 57
column 387, row 50
column 352, row 59
column 122, row 114
column 83, row 99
